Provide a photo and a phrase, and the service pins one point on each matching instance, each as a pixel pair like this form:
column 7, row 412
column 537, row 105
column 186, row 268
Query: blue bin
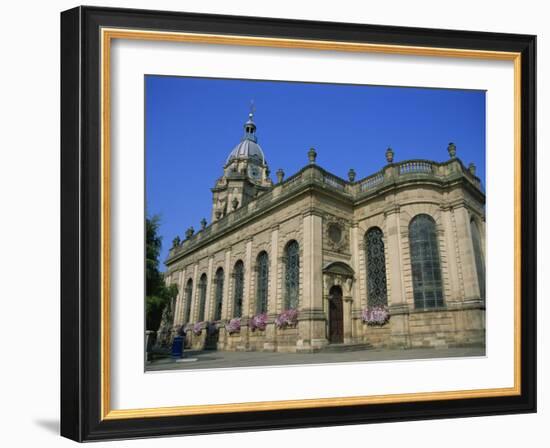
column 177, row 347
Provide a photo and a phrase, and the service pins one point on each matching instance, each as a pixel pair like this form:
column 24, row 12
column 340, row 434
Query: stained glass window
column 377, row 293
column 218, row 294
column 202, row 297
column 188, row 299
column 262, row 268
column 478, row 255
column 425, row 263
column 238, row 280
column 292, row 274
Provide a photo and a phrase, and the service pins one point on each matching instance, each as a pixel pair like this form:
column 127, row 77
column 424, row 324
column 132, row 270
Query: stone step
column 354, row 347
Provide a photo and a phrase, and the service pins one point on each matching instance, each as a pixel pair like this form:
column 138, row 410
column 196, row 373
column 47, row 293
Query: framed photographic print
column 273, row 223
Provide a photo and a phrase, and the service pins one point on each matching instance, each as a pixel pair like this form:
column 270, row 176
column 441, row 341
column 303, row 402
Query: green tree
column 157, row 294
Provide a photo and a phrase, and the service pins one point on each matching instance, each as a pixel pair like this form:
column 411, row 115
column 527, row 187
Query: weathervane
column 252, row 108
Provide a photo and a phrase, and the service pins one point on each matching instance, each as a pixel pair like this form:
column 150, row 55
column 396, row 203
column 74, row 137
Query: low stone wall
column 449, row 328
column 414, row 329
column 376, row 335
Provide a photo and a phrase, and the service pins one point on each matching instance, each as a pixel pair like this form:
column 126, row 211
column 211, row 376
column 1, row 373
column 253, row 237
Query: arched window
column 425, row 264
column 238, row 281
column 202, row 297
column 377, row 293
column 292, row 274
column 262, row 270
column 188, row 299
column 218, row 294
column 478, row 255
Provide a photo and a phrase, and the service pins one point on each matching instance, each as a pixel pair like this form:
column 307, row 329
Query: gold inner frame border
column 107, row 35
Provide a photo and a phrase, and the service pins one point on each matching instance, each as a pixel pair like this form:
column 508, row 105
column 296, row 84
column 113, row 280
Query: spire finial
column 250, row 126
column 252, row 108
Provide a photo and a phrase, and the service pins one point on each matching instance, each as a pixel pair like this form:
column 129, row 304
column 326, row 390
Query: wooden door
column 336, row 316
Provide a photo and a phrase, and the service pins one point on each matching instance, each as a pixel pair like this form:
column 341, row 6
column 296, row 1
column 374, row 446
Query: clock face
column 254, row 172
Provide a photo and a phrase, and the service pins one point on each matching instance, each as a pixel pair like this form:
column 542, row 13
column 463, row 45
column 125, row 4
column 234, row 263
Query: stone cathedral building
column 395, row 259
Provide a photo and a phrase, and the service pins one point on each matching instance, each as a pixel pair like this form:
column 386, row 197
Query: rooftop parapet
column 312, row 175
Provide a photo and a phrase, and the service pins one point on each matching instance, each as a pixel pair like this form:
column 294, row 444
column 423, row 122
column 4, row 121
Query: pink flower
column 258, row 322
column 234, row 325
column 197, row 328
column 376, row 315
column 288, row 318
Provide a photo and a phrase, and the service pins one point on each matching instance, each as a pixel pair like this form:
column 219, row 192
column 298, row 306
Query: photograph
column 292, row 223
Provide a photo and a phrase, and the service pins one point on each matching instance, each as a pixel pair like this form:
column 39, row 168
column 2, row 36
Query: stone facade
column 313, row 228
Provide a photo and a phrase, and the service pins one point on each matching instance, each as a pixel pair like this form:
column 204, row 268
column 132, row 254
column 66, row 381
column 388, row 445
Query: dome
column 248, row 147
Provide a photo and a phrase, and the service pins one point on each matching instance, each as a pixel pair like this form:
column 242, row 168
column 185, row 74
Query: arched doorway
column 336, row 315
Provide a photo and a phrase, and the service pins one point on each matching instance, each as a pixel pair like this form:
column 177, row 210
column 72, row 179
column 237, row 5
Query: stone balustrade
column 391, row 175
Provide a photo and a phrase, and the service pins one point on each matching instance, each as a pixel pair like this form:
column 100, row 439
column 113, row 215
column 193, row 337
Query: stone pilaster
column 466, row 254
column 226, row 309
column 195, row 295
column 179, row 300
column 312, row 332
column 269, row 344
column 356, row 246
column 248, row 296
column 394, row 276
column 453, row 267
column 347, row 291
column 187, row 299
column 222, row 338
column 208, row 308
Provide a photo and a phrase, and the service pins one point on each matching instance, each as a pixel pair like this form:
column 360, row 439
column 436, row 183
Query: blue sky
column 192, row 124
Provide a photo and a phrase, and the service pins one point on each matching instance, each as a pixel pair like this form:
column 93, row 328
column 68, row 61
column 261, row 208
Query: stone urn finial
column 176, row 241
column 389, row 155
column 312, row 155
column 203, row 223
column 189, row 232
column 472, row 169
column 235, row 203
column 280, row 175
column 351, row 175
column 452, row 150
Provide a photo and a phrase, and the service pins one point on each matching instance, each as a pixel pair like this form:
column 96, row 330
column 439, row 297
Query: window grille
column 202, row 297
column 377, row 293
column 292, row 274
column 218, row 294
column 238, row 278
column 425, row 263
column 262, row 282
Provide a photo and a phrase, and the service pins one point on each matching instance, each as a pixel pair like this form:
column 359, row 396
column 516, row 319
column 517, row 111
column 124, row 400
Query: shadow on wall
column 49, row 425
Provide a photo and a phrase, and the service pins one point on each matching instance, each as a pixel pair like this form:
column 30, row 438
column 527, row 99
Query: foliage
column 376, row 315
column 157, row 295
column 288, row 318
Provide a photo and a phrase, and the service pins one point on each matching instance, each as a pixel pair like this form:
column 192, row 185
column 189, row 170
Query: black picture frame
column 81, row 224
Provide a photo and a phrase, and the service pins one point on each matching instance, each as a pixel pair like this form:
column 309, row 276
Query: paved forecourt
column 226, row 359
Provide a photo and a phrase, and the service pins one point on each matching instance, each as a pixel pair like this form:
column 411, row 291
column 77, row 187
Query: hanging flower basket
column 288, row 318
column 376, row 315
column 198, row 327
column 234, row 325
column 258, row 322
